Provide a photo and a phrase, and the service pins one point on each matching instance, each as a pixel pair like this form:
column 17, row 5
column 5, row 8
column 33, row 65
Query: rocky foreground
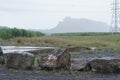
column 89, row 63
column 6, row 74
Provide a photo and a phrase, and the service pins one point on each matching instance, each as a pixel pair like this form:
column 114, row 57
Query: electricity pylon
column 115, row 22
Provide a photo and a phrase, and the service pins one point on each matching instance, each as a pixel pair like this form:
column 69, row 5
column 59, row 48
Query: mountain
column 78, row 25
column 1, row 27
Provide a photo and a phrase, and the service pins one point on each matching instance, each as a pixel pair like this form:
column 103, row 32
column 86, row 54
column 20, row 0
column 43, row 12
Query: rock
column 105, row 65
column 80, row 64
column 19, row 60
column 59, row 59
column 1, row 52
column 1, row 56
column 2, row 60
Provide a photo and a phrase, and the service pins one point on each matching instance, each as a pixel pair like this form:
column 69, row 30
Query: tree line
column 84, row 34
column 8, row 33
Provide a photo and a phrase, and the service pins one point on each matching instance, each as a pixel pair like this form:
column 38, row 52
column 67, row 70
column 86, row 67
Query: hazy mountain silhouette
column 78, row 25
column 1, row 27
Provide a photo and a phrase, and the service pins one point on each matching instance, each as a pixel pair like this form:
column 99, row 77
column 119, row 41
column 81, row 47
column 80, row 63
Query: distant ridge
column 78, row 25
column 1, row 27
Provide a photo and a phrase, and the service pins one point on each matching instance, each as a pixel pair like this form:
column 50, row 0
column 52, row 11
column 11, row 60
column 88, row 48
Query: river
column 9, row 49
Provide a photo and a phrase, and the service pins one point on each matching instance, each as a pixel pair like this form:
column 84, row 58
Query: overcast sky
column 45, row 14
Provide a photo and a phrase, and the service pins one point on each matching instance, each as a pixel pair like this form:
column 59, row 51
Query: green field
column 109, row 41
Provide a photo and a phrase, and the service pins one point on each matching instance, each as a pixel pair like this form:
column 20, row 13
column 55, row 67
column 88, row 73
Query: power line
column 115, row 22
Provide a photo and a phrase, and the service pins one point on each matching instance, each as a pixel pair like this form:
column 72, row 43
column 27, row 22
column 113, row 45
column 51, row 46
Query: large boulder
column 105, row 65
column 1, row 56
column 1, row 52
column 2, row 60
column 59, row 59
column 80, row 64
column 19, row 60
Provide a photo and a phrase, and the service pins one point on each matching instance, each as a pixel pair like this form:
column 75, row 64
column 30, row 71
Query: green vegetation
column 20, row 37
column 100, row 56
column 108, row 41
column 117, row 54
column 84, row 34
column 8, row 33
column 35, row 63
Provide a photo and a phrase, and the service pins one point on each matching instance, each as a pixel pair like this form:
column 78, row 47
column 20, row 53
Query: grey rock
column 105, row 65
column 58, row 59
column 1, row 52
column 19, row 60
column 80, row 64
column 2, row 61
column 1, row 56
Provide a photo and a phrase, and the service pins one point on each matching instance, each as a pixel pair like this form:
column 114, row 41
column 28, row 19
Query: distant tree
column 14, row 32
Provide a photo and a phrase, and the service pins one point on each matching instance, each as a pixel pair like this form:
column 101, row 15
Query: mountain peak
column 1, row 27
column 79, row 25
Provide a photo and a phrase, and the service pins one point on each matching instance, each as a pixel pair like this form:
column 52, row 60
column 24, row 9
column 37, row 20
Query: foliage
column 84, row 34
column 108, row 41
column 8, row 33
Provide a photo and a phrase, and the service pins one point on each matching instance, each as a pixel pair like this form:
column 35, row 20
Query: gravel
column 28, row 75
column 6, row 74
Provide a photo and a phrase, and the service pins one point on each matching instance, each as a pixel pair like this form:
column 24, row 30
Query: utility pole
column 115, row 22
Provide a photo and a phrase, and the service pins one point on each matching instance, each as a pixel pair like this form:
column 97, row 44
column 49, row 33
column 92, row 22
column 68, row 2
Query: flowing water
column 9, row 49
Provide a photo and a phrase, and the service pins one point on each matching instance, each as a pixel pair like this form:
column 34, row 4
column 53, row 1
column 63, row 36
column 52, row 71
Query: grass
column 100, row 56
column 35, row 63
column 117, row 55
column 108, row 41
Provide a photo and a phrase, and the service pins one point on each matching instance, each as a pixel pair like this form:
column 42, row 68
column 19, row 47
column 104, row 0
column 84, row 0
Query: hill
column 78, row 25
column 1, row 27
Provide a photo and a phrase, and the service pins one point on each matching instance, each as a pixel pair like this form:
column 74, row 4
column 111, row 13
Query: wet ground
column 54, row 75
column 97, row 54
